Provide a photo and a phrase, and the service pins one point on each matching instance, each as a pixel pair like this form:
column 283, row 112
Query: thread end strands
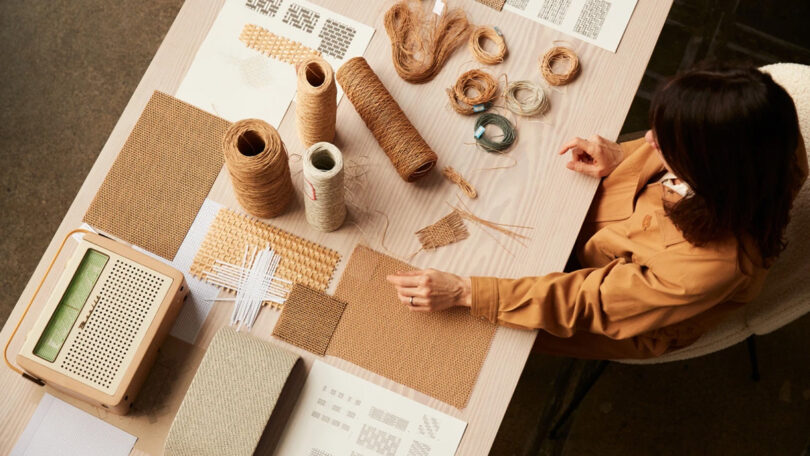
column 323, row 187
column 399, row 139
column 483, row 87
column 508, row 135
column 258, row 165
column 558, row 55
column 526, row 98
column 453, row 176
column 476, row 44
column 316, row 104
column 275, row 46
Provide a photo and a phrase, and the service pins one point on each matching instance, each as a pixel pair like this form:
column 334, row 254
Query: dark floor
column 70, row 67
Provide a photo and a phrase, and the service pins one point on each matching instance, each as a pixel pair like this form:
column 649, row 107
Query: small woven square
column 309, row 319
column 494, row 4
column 447, row 230
column 161, row 176
column 302, row 261
column 275, row 46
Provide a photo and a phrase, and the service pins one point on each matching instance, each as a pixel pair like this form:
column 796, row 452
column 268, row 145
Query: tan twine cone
column 405, row 147
column 316, row 104
column 257, row 162
column 323, row 187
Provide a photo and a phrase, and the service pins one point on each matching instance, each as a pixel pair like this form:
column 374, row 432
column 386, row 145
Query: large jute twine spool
column 260, row 172
column 323, row 187
column 316, row 104
column 408, row 152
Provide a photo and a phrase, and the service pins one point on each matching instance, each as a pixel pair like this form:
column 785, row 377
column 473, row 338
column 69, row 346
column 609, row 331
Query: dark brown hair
column 731, row 134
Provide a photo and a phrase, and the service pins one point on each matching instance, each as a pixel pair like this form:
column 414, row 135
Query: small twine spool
column 323, row 187
column 477, row 37
column 484, row 89
column 509, row 134
column 559, row 54
column 534, row 102
column 316, row 104
column 257, row 162
column 407, row 150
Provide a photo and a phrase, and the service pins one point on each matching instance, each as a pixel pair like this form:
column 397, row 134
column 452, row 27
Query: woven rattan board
column 438, row 353
column 494, row 4
column 302, row 261
column 309, row 319
column 448, row 230
column 161, row 176
column 275, row 46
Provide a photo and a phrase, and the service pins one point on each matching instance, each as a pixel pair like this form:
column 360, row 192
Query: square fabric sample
column 161, row 176
column 494, row 4
column 437, row 353
column 309, row 318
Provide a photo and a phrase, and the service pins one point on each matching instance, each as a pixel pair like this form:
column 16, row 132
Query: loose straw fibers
column 323, row 187
column 483, row 86
column 408, row 152
column 419, row 47
column 559, row 54
column 257, row 162
column 533, row 102
column 477, row 37
column 316, row 104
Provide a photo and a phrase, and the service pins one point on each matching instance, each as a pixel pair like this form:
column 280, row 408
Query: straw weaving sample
column 309, row 318
column 161, row 176
column 437, row 353
column 447, row 230
column 275, row 46
column 494, row 4
column 302, row 261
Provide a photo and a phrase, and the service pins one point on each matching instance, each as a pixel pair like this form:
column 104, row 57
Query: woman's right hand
column 595, row 156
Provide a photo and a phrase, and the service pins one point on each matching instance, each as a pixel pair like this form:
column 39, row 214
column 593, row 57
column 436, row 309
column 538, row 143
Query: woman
column 682, row 230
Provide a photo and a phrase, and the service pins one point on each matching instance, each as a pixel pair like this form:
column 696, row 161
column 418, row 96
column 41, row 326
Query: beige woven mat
column 302, row 261
column 275, row 46
column 438, row 353
column 161, row 176
column 495, row 4
column 309, row 319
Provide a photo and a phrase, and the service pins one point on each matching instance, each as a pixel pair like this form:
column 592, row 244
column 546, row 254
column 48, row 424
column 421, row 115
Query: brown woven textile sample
column 447, row 230
column 494, row 4
column 272, row 45
column 437, row 353
column 161, row 176
column 302, row 261
column 309, row 318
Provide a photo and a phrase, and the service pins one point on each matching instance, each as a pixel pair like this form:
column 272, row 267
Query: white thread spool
column 323, row 187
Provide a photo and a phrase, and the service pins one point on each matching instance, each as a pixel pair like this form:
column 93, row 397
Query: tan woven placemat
column 302, row 261
column 161, row 176
column 309, row 319
column 494, row 4
column 439, row 354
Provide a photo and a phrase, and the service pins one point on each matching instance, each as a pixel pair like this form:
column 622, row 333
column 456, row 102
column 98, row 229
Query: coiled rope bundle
column 481, row 84
column 509, row 134
column 323, row 187
column 257, row 162
column 559, row 54
column 316, row 104
column 477, row 37
column 526, row 98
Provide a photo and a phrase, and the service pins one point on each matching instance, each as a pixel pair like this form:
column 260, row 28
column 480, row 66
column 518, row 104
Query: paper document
column 599, row 22
column 233, row 81
column 60, row 428
column 339, row 414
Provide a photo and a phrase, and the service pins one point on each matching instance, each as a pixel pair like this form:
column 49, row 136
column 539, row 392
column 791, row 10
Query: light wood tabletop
column 538, row 192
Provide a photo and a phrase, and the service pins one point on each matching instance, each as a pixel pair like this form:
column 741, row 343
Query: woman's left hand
column 429, row 290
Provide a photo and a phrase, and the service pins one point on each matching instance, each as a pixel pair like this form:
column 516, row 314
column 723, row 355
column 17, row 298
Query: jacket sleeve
column 620, row 300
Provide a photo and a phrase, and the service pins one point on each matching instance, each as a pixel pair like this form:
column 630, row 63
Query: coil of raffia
column 408, row 152
column 323, row 186
column 476, row 44
column 257, row 162
column 316, row 103
column 484, row 89
column 453, row 176
column 525, row 98
column 419, row 46
column 555, row 55
column 508, row 132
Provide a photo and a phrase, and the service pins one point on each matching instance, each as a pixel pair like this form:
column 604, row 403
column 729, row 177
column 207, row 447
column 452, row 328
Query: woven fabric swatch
column 447, row 230
column 302, row 261
column 161, row 176
column 231, row 397
column 275, row 46
column 437, row 353
column 309, row 319
column 494, row 4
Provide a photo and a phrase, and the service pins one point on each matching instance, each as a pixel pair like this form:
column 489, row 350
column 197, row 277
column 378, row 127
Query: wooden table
column 538, row 192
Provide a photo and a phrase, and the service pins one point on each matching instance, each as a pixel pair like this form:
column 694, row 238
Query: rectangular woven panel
column 437, row 353
column 494, row 4
column 309, row 319
column 231, row 397
column 302, row 261
column 161, row 176
column 447, row 230
column 275, row 46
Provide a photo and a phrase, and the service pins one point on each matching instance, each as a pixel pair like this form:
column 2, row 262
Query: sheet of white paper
column 599, row 22
column 338, row 414
column 60, row 428
column 234, row 82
